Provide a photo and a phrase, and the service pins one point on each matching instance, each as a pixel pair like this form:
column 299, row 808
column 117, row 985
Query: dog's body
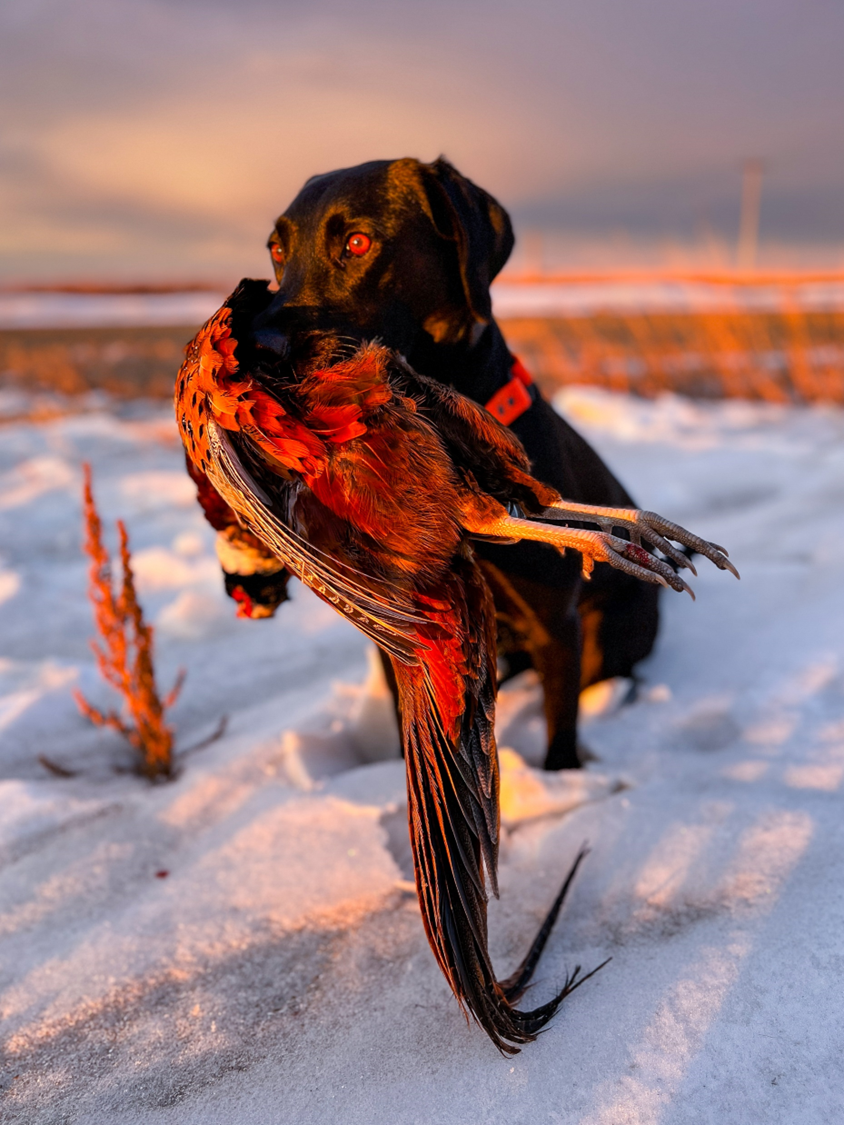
column 404, row 253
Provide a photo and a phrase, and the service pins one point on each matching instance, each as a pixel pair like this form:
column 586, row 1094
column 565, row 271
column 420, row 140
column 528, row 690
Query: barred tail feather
column 453, row 813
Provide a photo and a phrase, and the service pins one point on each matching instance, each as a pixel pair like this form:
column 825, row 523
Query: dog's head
column 389, row 250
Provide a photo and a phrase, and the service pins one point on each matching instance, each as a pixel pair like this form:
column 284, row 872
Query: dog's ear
column 476, row 223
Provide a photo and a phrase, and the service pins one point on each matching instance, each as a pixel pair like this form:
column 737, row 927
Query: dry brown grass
column 125, row 362
column 790, row 354
column 792, row 357
column 124, row 652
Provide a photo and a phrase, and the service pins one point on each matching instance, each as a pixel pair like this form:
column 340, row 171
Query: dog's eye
column 358, row 244
column 276, row 253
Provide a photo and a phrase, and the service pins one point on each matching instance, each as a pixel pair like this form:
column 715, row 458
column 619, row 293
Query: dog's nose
column 268, row 333
column 272, row 340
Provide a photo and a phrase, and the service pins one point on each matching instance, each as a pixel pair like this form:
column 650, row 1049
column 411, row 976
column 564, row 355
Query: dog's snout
column 272, row 340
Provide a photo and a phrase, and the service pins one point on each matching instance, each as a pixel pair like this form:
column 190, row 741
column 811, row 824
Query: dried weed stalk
column 124, row 652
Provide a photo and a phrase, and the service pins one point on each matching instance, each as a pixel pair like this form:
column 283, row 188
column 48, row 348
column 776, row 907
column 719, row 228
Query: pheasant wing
column 477, row 441
column 390, row 620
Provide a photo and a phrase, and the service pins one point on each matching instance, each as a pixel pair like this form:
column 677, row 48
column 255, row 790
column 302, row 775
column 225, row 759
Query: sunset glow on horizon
column 156, row 139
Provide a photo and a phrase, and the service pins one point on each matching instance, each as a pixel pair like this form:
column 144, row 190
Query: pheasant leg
column 594, row 546
column 653, row 528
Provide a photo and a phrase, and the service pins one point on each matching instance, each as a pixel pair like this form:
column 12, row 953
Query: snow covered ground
column 242, row 945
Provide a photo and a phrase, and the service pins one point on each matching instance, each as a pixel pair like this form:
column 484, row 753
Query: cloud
column 178, row 129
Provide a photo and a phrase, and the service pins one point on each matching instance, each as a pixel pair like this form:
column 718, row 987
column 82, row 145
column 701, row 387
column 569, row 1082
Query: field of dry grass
column 125, row 362
column 789, row 353
column 786, row 356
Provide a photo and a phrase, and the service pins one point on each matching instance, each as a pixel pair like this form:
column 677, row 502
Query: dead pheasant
column 368, row 482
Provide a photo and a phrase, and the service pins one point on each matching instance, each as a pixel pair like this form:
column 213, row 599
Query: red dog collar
column 513, row 399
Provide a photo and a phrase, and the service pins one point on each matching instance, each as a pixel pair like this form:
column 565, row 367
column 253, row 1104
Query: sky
column 159, row 139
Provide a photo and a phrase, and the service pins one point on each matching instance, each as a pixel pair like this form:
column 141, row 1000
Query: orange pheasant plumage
column 368, row 481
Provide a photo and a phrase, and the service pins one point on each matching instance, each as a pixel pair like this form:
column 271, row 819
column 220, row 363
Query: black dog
column 404, row 252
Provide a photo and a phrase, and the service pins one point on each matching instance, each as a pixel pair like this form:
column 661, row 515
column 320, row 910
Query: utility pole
column 751, row 193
